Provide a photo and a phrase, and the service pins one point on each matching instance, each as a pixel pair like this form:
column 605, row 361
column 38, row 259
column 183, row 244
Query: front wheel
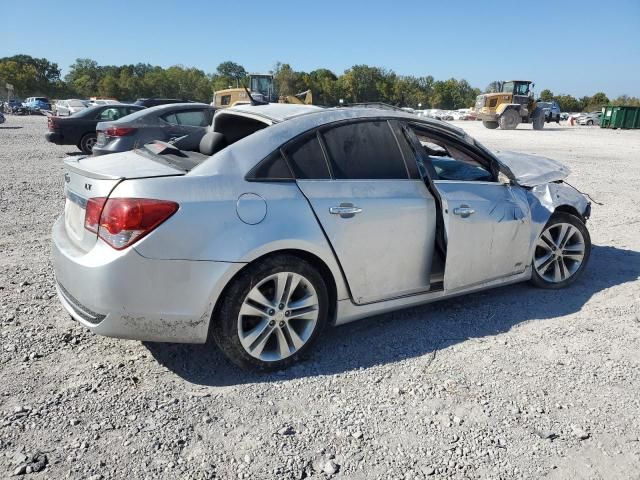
column 490, row 125
column 537, row 119
column 561, row 252
column 589, row 122
column 271, row 314
column 509, row 120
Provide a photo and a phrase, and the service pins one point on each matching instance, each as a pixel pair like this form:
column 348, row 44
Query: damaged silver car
column 290, row 218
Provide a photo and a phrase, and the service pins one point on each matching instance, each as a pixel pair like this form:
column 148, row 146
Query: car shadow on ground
column 75, row 154
column 415, row 331
column 10, row 128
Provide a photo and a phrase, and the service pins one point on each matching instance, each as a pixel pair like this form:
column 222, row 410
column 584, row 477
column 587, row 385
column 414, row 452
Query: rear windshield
column 76, row 103
column 41, row 99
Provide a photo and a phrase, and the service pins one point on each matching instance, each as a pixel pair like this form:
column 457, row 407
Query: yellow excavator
column 261, row 88
column 512, row 105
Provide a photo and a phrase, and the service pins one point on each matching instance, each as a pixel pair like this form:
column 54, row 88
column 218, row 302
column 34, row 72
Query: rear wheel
column 271, row 314
column 509, row 120
column 561, row 253
column 537, row 119
column 490, row 125
column 87, row 142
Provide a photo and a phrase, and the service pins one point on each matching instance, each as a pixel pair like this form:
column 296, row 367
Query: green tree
column 231, row 71
column 598, row 101
column 546, row 95
column 493, row 87
column 568, row 103
column 29, row 75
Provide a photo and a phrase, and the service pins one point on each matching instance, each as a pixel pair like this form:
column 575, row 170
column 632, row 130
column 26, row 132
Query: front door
column 380, row 223
column 488, row 231
column 487, row 224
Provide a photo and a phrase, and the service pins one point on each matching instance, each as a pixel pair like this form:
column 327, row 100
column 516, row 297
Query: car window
column 113, row 113
column 273, row 168
column 193, row 118
column 170, row 118
column 307, row 159
column 364, row 150
column 448, row 162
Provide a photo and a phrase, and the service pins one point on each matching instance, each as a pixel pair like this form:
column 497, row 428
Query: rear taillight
column 92, row 213
column 124, row 221
column 51, row 125
column 119, row 131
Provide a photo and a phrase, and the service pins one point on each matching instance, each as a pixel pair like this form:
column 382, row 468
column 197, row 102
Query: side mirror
column 503, row 179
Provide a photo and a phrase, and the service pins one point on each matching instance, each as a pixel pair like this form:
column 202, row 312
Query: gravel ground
column 509, row 383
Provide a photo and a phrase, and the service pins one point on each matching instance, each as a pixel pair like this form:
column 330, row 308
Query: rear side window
column 364, row 150
column 273, row 168
column 193, row 118
column 111, row 114
column 307, row 159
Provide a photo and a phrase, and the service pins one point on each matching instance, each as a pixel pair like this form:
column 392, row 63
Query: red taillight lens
column 92, row 213
column 51, row 125
column 124, row 221
column 119, row 131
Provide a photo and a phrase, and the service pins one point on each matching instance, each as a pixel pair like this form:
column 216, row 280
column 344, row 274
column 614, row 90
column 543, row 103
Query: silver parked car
column 65, row 108
column 290, row 218
column 591, row 118
column 187, row 121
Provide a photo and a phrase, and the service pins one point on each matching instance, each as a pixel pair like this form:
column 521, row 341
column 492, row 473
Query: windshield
column 507, row 87
column 544, row 104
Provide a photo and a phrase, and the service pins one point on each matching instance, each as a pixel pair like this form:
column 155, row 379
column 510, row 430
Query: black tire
column 509, row 120
column 87, row 142
column 556, row 219
column 537, row 119
column 589, row 122
column 490, row 125
column 225, row 320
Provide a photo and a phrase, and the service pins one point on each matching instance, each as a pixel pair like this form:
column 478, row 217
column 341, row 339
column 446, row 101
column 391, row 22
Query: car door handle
column 345, row 210
column 464, row 211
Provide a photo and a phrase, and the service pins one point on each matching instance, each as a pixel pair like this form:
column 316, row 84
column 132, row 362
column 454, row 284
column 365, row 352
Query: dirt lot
column 509, row 383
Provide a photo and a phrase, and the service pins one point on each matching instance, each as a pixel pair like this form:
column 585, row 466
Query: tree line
column 360, row 83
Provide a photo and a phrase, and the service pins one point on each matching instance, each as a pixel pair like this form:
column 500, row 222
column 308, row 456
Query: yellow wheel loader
column 512, row 105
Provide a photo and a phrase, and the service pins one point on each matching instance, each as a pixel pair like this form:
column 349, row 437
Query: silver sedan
column 290, row 218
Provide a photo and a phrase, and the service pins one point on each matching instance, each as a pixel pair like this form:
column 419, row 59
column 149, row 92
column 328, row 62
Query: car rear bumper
column 54, row 137
column 125, row 295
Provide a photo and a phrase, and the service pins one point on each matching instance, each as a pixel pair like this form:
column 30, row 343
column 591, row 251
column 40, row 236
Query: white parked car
column 104, row 102
column 64, row 108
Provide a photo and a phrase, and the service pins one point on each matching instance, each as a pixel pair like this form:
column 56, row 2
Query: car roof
column 288, row 121
column 176, row 106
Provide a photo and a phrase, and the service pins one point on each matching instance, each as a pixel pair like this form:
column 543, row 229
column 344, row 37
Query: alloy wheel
column 278, row 316
column 559, row 252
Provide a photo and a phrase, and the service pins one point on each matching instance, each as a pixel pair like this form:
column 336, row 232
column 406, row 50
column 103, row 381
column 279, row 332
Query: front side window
column 450, row 162
column 364, row 150
column 225, row 100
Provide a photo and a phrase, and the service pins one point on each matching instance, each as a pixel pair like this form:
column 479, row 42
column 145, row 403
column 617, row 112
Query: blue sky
column 576, row 47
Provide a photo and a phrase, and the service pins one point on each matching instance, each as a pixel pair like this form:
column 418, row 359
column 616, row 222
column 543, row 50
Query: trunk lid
column 92, row 177
column 532, row 170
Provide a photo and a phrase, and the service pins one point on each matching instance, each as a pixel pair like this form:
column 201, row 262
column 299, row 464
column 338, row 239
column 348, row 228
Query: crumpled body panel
column 532, row 170
column 545, row 199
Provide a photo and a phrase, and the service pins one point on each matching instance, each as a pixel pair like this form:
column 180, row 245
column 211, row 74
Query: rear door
column 487, row 223
column 379, row 219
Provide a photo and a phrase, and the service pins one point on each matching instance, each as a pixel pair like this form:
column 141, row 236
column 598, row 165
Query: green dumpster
column 619, row 116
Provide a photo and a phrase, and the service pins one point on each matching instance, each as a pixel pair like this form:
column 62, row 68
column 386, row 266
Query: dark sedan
column 80, row 128
column 187, row 121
